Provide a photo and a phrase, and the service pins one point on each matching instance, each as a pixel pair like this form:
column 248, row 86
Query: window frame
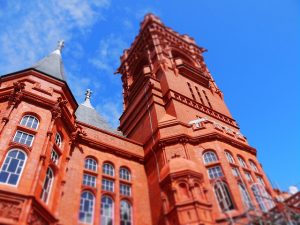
column 27, row 117
column 104, row 214
column 107, row 171
column 227, row 192
column 60, row 141
column 111, row 188
column 229, row 157
column 213, row 172
column 89, row 182
column 130, row 215
column 22, row 169
column 82, row 206
column 23, row 132
column 209, row 157
column 124, row 176
column 87, row 165
column 242, row 162
column 49, row 187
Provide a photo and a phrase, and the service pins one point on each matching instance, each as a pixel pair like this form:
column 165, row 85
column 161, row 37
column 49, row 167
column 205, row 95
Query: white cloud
column 108, row 55
column 111, row 111
column 30, row 29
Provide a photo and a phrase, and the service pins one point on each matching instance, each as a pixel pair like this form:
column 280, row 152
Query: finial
column 87, row 101
column 60, row 45
column 88, row 94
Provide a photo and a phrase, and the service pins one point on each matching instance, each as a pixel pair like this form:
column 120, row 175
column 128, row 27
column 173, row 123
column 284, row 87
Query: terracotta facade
column 179, row 159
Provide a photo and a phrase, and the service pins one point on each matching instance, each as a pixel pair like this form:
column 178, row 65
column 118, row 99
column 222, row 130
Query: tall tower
column 200, row 168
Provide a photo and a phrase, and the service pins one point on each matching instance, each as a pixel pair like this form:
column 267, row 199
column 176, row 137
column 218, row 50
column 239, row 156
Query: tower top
column 52, row 64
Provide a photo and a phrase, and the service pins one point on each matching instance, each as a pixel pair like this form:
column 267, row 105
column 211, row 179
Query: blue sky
column 253, row 54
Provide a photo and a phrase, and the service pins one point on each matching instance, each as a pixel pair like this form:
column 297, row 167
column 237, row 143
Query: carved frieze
column 10, row 209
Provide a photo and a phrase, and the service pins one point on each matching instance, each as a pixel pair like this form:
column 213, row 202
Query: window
column 107, row 210
column 209, row 157
column 245, row 196
column 199, row 95
column 12, row 167
column 89, row 180
column 242, row 162
column 125, row 213
column 124, row 174
column 23, row 138
column 207, row 99
column 235, row 172
column 260, row 180
column 125, row 189
column 248, row 176
column 107, row 185
column 54, row 157
column 191, row 90
column 30, row 122
column 223, row 196
column 108, row 169
column 253, row 166
column 90, row 164
column 86, row 210
column 58, row 140
column 47, row 185
column 215, row 172
column 263, row 198
column 229, row 157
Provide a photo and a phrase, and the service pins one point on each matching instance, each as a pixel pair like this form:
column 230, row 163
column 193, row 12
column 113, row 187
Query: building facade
column 178, row 158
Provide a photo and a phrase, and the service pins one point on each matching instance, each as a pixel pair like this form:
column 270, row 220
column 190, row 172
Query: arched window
column 108, row 169
column 245, row 196
column 242, row 162
column 263, row 198
column 253, row 166
column 125, row 213
column 124, row 174
column 30, row 122
column 209, row 157
column 223, row 196
column 12, row 167
column 58, row 140
column 47, row 185
column 86, row 210
column 229, row 157
column 90, row 164
column 183, row 191
column 107, row 210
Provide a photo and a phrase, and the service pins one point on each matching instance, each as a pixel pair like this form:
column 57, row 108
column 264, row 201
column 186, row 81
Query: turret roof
column 52, row 64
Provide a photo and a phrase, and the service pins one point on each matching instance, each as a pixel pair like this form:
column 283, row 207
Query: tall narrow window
column 58, row 140
column 107, row 210
column 86, row 211
column 191, row 90
column 242, row 162
column 245, row 196
column 90, row 164
column 209, row 157
column 12, row 167
column 125, row 213
column 30, row 122
column 223, row 196
column 229, row 157
column 235, row 172
column 207, row 99
column 253, row 166
column 248, row 176
column 199, row 95
column 47, row 185
column 54, row 157
column 124, row 174
column 108, row 169
column 23, row 138
column 263, row 198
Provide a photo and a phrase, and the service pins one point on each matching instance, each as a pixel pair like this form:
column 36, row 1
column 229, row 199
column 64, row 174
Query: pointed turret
column 52, row 64
column 86, row 113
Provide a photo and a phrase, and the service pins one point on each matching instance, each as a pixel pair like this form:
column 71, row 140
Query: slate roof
column 86, row 113
column 52, row 64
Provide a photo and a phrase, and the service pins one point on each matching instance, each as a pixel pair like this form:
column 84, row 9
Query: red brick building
column 179, row 157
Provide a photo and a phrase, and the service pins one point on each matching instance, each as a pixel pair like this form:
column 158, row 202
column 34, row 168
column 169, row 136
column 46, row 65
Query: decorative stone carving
column 57, row 108
column 17, row 93
column 9, row 209
column 35, row 219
